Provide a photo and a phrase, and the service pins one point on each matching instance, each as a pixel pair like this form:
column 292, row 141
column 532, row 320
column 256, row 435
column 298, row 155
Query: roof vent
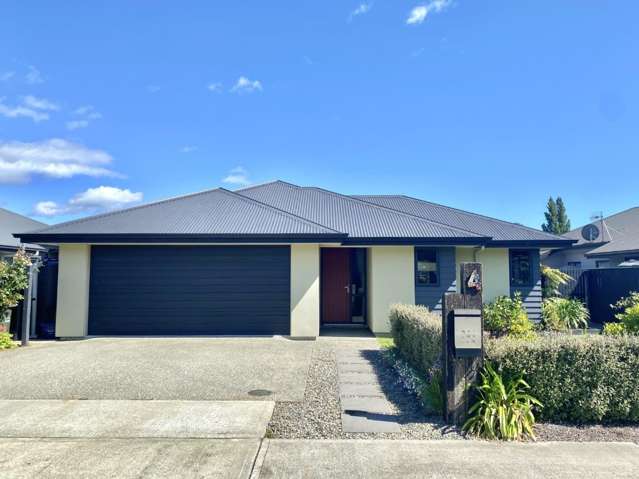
column 590, row 232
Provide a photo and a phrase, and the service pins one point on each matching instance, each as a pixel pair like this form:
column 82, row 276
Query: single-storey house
column 277, row 259
column 605, row 243
column 11, row 222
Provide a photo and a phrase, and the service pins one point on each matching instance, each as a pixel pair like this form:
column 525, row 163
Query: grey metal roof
column 358, row 218
column 10, row 223
column 619, row 234
column 212, row 212
column 498, row 230
column 285, row 211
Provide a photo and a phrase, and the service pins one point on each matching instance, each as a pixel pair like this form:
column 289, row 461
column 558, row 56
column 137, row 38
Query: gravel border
column 318, row 416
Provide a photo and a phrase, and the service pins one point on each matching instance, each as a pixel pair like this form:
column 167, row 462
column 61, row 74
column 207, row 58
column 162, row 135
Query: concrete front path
column 365, row 408
column 446, row 459
column 157, row 368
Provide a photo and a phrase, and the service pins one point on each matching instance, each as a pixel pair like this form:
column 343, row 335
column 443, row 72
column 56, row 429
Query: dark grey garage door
column 189, row 290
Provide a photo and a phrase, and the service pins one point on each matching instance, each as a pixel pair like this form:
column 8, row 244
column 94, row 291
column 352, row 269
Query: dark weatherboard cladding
column 192, row 290
column 431, row 295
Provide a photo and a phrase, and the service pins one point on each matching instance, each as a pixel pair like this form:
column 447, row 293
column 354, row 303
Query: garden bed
column 318, row 416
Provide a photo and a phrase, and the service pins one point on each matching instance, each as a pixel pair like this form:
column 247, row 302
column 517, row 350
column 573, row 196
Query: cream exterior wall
column 391, row 279
column 305, row 290
column 73, row 290
column 495, row 269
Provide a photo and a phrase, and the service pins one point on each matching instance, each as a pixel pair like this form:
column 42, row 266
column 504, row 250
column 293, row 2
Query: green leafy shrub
column 560, row 314
column 626, row 302
column 614, row 329
column 507, row 316
column 579, row 379
column 630, row 319
column 553, row 278
column 504, row 409
column 417, row 334
column 5, row 341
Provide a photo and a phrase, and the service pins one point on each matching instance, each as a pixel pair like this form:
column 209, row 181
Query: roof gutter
column 177, row 238
column 559, row 243
column 464, row 241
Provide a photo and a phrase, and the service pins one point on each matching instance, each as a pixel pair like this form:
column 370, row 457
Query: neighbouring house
column 43, row 310
column 11, row 222
column 277, row 259
column 606, row 243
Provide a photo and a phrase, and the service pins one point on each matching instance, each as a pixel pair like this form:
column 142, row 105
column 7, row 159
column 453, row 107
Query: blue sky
column 488, row 106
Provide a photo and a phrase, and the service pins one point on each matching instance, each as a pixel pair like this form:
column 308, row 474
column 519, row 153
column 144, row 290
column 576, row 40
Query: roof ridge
column 368, row 203
column 124, row 210
column 259, row 185
column 277, row 210
column 469, row 213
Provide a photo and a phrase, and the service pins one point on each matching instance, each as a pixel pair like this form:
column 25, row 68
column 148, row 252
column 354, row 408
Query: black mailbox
column 467, row 333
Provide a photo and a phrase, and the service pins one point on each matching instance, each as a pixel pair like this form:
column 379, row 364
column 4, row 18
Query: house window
column 520, row 268
column 574, row 264
column 602, row 263
column 427, row 267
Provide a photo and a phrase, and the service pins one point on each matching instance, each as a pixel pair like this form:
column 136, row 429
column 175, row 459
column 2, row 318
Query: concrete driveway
column 157, row 368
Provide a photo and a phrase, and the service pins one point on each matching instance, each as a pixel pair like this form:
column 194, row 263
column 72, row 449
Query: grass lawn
column 385, row 342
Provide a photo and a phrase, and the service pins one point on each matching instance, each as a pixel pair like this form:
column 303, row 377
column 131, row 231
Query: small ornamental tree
column 14, row 279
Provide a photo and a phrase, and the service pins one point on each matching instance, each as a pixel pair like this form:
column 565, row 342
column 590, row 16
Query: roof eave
column 409, row 241
column 179, row 238
column 608, row 253
column 558, row 243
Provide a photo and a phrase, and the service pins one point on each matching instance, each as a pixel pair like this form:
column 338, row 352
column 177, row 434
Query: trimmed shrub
column 560, row 314
column 418, row 335
column 579, row 379
column 507, row 316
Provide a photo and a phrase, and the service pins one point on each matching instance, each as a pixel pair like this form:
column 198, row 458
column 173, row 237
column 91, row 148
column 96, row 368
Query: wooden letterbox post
column 462, row 342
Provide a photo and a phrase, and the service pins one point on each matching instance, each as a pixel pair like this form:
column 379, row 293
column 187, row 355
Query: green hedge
column 578, row 379
column 418, row 335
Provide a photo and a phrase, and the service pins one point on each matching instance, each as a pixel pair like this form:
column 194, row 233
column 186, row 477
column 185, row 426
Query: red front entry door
column 336, row 277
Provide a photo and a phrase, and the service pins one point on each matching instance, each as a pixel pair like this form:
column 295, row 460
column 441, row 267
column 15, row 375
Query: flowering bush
column 13, row 280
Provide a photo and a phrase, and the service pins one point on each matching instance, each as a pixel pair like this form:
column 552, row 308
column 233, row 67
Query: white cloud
column 214, row 87
column 105, row 197
column 244, row 85
column 22, row 111
column 33, row 76
column 188, row 149
column 48, row 208
column 39, row 103
column 237, row 176
column 6, row 76
column 54, row 158
column 91, row 200
column 419, row 13
column 361, row 9
column 88, row 113
column 77, row 124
